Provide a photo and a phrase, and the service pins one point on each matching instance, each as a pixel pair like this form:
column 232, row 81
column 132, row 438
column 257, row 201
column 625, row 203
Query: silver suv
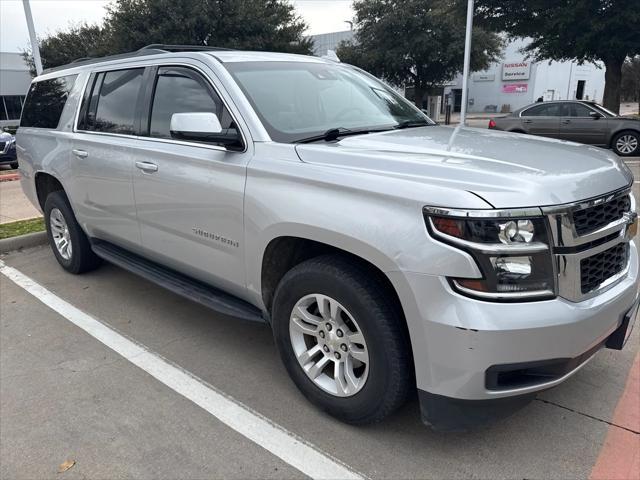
column 387, row 253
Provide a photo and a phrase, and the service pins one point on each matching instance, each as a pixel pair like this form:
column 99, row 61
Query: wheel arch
column 46, row 183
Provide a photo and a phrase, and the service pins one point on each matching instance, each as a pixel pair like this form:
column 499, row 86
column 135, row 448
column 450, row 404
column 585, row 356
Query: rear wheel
column 342, row 339
column 14, row 165
column 68, row 241
column 627, row 144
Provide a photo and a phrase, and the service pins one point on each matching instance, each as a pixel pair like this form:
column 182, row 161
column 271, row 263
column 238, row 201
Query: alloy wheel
column 60, row 233
column 627, row 144
column 329, row 345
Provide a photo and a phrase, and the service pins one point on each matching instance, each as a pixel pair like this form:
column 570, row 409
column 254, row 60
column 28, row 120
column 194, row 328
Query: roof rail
column 153, row 49
column 183, row 48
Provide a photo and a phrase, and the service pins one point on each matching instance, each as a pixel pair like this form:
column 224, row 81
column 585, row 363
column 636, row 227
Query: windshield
column 299, row 100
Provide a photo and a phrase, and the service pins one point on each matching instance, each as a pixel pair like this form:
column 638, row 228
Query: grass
column 21, row 227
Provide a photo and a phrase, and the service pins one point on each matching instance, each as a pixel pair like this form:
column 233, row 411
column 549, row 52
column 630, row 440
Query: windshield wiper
column 411, row 124
column 334, row 133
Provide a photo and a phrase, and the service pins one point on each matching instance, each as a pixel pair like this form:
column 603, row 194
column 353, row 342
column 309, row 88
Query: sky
column 322, row 16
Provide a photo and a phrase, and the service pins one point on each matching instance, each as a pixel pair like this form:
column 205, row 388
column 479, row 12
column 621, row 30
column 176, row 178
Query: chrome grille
column 597, row 269
column 589, row 220
column 591, row 244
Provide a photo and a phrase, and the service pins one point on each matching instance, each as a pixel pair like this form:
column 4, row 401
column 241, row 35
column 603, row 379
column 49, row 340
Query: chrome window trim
column 156, row 139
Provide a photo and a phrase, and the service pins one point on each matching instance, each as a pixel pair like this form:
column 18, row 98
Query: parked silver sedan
column 578, row 121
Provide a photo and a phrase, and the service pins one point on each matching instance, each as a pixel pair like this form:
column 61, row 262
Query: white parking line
column 273, row 438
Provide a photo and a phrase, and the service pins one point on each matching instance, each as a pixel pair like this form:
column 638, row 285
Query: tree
column 630, row 88
column 80, row 40
column 132, row 24
column 418, row 42
column 582, row 30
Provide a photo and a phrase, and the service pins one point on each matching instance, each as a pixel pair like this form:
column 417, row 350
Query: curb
column 23, row 241
column 9, row 177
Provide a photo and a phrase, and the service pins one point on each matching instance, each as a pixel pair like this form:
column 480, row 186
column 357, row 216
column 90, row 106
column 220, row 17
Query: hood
column 507, row 170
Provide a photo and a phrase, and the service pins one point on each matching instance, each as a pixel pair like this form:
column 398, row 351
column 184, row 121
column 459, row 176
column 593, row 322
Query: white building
column 515, row 82
column 324, row 42
column 14, row 84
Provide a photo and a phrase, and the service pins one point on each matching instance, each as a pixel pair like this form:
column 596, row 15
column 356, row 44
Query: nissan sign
column 516, row 70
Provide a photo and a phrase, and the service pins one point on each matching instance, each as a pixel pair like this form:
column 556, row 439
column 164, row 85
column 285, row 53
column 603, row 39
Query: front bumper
column 456, row 339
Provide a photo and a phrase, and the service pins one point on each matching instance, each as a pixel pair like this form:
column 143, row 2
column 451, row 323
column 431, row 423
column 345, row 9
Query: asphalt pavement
column 69, row 394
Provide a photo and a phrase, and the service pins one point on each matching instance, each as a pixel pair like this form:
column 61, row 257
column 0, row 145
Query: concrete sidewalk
column 14, row 205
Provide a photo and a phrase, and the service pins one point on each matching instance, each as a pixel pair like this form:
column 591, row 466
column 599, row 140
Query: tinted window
column 579, row 110
column 550, row 110
column 14, row 106
column 180, row 90
column 117, row 100
column 45, row 102
column 3, row 112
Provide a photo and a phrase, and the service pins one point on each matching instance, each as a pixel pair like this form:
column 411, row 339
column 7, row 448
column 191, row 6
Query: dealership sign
column 516, row 70
column 514, row 88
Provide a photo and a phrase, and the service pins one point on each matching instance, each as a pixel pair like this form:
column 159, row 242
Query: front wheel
column 627, row 144
column 342, row 339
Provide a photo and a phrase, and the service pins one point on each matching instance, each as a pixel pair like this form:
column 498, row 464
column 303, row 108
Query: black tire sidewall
column 367, row 401
column 58, row 200
column 621, row 134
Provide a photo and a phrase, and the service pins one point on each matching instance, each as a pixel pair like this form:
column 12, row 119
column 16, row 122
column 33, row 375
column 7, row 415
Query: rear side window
column 117, row 97
column 551, row 110
column 45, row 102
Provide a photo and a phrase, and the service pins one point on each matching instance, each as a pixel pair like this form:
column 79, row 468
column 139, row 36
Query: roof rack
column 153, row 49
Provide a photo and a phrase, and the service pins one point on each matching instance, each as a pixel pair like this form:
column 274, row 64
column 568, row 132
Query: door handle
column 527, row 121
column 566, row 122
column 80, row 153
column 147, row 166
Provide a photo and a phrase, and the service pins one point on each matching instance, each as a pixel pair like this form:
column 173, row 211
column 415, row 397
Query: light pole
column 32, row 37
column 467, row 62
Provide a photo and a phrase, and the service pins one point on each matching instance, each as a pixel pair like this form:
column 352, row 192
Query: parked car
column 385, row 252
column 8, row 150
column 578, row 121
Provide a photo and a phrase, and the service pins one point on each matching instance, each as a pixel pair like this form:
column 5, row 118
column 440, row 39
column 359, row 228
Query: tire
column 627, row 143
column 14, row 165
column 388, row 373
column 58, row 215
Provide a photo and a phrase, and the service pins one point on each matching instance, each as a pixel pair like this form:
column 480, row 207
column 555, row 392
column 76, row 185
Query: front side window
column 45, row 102
column 116, row 101
column 579, row 110
column 297, row 100
column 181, row 90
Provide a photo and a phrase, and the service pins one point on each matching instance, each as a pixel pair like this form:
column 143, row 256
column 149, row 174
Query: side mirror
column 203, row 127
column 595, row 115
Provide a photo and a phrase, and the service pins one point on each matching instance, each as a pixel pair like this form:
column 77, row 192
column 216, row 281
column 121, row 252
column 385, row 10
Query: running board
column 178, row 283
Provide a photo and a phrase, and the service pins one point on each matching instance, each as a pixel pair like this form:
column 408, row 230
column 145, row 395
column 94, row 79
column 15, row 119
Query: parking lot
column 172, row 390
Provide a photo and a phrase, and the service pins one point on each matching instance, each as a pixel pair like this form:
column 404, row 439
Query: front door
column 580, row 125
column 189, row 195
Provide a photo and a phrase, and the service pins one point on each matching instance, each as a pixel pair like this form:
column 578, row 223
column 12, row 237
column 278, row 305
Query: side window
column 45, row 102
column 113, row 104
column 181, row 90
column 14, row 106
column 550, row 110
column 579, row 110
column 3, row 112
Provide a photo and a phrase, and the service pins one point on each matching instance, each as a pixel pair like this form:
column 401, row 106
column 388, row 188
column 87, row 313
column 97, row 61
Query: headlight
column 511, row 249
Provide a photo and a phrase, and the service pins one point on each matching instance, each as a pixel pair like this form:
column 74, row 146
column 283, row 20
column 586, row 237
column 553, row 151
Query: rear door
column 189, row 194
column 543, row 120
column 103, row 155
column 578, row 125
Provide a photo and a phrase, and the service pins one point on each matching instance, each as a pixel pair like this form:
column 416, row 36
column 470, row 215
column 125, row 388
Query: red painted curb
column 9, row 177
column 619, row 458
